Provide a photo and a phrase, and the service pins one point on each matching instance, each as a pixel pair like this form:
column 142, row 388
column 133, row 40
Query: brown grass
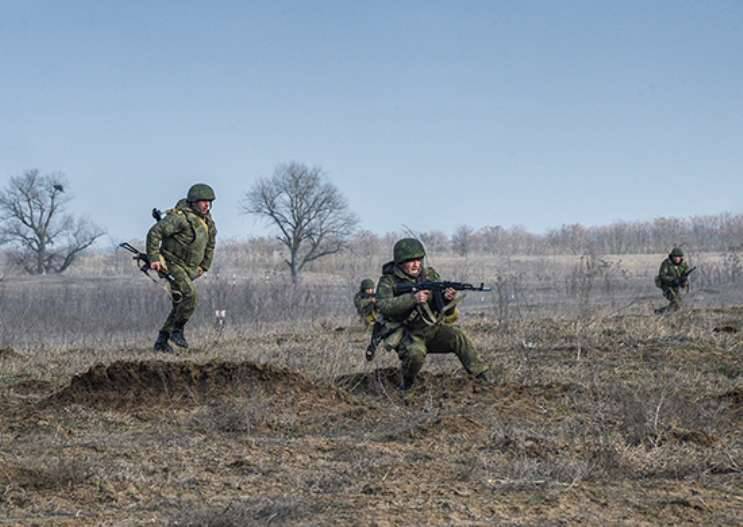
column 612, row 418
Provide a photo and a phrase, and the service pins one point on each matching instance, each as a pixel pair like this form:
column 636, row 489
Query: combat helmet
column 199, row 192
column 408, row 249
column 367, row 283
column 676, row 251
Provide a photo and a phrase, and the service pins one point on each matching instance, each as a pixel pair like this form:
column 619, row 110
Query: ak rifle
column 437, row 289
column 143, row 262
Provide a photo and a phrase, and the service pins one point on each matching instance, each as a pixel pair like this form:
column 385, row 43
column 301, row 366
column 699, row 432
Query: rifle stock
column 143, row 262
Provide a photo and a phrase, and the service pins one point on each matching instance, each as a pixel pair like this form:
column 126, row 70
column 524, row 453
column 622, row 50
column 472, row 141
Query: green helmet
column 367, row 283
column 676, row 251
column 408, row 249
column 199, row 192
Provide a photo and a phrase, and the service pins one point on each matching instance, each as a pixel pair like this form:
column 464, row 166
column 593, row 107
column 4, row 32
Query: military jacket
column 183, row 237
column 403, row 309
column 670, row 272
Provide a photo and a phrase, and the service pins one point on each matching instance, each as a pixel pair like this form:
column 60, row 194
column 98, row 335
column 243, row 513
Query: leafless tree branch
column 310, row 214
column 33, row 223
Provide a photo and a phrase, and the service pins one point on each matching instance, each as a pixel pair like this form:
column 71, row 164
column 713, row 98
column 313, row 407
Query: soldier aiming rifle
column 672, row 279
column 419, row 312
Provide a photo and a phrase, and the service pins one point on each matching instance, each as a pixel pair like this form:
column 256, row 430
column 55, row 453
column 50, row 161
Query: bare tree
column 462, row 240
column 34, row 223
column 492, row 237
column 311, row 215
column 434, row 241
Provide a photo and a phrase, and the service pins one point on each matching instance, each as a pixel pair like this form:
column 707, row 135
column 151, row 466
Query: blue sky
column 426, row 114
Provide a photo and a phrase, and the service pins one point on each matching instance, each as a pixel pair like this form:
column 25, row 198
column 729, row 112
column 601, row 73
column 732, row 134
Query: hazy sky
column 428, row 114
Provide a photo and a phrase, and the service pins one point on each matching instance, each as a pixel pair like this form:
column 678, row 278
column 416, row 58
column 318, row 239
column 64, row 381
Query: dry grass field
column 624, row 419
column 600, row 412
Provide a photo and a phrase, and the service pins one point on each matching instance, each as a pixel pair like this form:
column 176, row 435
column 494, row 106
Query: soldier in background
column 672, row 278
column 182, row 244
column 412, row 326
column 365, row 302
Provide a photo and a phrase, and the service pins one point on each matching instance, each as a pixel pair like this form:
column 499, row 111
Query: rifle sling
column 430, row 318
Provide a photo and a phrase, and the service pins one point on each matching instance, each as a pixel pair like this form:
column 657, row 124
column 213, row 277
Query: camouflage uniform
column 409, row 333
column 184, row 242
column 365, row 303
column 671, row 280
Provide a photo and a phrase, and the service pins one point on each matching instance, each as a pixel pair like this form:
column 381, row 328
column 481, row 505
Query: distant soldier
column 366, row 302
column 413, row 327
column 182, row 244
column 673, row 276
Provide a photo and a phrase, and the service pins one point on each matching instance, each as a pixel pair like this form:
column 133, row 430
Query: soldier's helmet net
column 408, row 249
column 676, row 251
column 199, row 192
column 367, row 283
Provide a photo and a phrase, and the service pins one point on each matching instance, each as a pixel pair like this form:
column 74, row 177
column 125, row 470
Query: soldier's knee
column 189, row 294
column 187, row 301
column 459, row 340
column 413, row 355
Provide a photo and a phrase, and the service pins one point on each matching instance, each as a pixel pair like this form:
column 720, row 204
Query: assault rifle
column 683, row 279
column 143, row 262
column 437, row 289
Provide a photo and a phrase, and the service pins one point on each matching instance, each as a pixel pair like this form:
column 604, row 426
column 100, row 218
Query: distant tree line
column 721, row 232
column 311, row 220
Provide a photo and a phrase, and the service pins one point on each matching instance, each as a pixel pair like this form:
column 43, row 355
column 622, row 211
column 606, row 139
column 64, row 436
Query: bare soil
column 621, row 421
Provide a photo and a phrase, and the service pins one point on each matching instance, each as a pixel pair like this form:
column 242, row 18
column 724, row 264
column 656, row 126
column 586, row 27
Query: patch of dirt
column 455, row 403
column 9, row 354
column 699, row 437
column 43, row 473
column 429, row 427
column 733, row 398
column 375, row 383
column 727, row 327
column 643, row 432
column 32, row 387
column 142, row 383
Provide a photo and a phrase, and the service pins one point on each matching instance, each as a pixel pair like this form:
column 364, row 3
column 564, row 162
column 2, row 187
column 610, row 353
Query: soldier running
column 182, row 244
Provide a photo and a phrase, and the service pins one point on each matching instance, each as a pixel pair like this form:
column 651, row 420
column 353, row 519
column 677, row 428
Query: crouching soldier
column 182, row 244
column 673, row 276
column 413, row 326
column 365, row 302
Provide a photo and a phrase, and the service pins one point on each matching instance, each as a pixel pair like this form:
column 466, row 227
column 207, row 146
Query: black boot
column 161, row 344
column 483, row 378
column 407, row 382
column 371, row 350
column 178, row 338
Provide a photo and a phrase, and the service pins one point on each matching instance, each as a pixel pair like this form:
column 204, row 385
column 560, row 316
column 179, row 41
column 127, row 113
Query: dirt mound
column 32, row 387
column 132, row 383
column 9, row 354
column 734, row 398
column 727, row 327
column 384, row 381
column 377, row 382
